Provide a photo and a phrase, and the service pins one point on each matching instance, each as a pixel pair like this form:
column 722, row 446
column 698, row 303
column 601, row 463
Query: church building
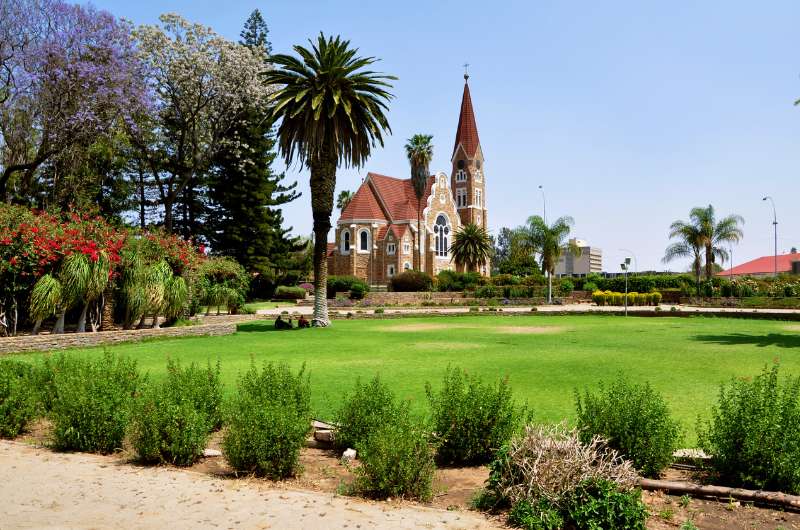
column 376, row 234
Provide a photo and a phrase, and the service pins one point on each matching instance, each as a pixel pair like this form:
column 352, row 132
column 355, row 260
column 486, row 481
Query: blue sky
column 628, row 113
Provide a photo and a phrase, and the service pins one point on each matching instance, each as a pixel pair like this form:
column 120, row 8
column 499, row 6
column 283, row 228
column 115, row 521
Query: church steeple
column 467, row 132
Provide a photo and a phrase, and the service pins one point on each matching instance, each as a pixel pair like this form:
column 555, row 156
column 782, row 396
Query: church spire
column 467, row 132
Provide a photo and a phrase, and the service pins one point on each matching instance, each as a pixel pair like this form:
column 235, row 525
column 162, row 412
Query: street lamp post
column 775, row 228
column 635, row 261
column 549, row 276
column 544, row 204
column 625, row 265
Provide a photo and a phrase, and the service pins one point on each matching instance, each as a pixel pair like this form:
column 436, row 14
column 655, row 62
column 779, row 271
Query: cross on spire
column 466, row 72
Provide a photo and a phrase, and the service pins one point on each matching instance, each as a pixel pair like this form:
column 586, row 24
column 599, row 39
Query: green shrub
column 590, row 286
column 506, row 279
column 363, row 411
column 18, row 400
column 566, row 287
column 358, row 290
column 285, row 292
column 633, row 298
column 452, row 281
column 471, row 419
column 380, row 311
column 411, row 282
column 268, row 421
column 655, row 298
column 44, row 375
column 518, row 291
column 356, row 287
column 396, row 461
column 599, row 298
column 752, row 433
column 92, row 402
column 542, row 516
column 487, row 291
column 599, row 503
column 617, row 298
column 634, row 419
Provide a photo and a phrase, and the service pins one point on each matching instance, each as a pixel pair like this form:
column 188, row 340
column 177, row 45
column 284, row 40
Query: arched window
column 346, row 241
column 363, row 241
column 406, row 266
column 441, row 231
column 390, row 271
column 391, row 248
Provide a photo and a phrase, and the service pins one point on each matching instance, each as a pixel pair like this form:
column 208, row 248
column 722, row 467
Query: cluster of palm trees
column 548, row 241
column 704, row 239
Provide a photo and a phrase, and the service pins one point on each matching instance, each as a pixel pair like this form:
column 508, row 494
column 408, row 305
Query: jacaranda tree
column 331, row 112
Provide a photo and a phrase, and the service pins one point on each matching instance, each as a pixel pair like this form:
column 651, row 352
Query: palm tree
column 331, row 112
column 344, row 198
column 717, row 235
column 689, row 245
column 46, row 298
column 419, row 151
column 550, row 241
column 471, row 246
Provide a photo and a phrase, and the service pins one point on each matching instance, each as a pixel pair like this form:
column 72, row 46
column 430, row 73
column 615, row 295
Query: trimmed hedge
column 356, row 287
column 285, row 292
column 411, row 282
column 604, row 298
column 452, row 281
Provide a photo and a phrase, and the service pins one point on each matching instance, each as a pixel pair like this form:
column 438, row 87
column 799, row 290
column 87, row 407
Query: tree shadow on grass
column 252, row 327
column 780, row 340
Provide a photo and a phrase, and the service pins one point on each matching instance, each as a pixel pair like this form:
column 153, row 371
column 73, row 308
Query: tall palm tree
column 419, row 151
column 343, row 199
column 331, row 112
column 471, row 246
column 717, row 235
column 550, row 241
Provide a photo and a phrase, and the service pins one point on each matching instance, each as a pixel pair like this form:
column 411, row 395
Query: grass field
column 545, row 357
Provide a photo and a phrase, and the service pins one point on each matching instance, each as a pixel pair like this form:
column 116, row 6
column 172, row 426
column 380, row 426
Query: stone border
column 33, row 343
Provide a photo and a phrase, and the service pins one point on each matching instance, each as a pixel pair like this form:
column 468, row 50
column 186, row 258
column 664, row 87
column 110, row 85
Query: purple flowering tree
column 68, row 75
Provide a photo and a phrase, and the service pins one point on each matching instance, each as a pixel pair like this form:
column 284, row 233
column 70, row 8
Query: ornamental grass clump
column 18, row 400
column 268, row 421
column 752, row 435
column 547, row 477
column 92, row 401
column 634, row 419
column 471, row 419
column 172, row 420
column 363, row 411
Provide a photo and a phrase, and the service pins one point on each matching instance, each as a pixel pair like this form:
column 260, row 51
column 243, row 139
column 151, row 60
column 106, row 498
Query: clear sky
column 628, row 113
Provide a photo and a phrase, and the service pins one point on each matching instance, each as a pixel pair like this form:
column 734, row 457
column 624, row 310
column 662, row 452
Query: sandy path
column 43, row 489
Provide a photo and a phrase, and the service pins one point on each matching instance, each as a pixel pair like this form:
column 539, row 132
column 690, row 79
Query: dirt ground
column 41, row 488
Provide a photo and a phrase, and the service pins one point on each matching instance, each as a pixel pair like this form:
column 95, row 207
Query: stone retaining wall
column 412, row 298
column 30, row 343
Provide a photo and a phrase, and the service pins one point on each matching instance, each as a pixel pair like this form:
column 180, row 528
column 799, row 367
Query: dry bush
column 549, row 461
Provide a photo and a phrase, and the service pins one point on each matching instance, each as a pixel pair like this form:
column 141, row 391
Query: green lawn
column 546, row 357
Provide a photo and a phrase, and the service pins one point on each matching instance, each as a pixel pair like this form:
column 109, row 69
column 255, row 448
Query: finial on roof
column 466, row 73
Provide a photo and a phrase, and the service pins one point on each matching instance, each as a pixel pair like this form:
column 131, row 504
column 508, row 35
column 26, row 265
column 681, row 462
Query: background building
column 589, row 260
column 765, row 266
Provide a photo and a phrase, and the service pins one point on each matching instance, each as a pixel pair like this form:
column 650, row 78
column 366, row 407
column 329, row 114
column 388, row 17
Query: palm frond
column 46, row 297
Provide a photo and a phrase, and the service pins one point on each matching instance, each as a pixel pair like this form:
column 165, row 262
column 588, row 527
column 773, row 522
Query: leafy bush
column 222, row 281
column 285, row 292
column 590, row 286
column 166, row 427
column 342, row 284
column 268, row 421
column 655, row 298
column 506, row 279
column 363, row 411
column 518, row 291
column 566, row 287
column 18, row 400
column 471, row 419
column 411, row 282
column 752, row 433
column 92, row 401
column 452, row 281
column 396, row 461
column 634, row 419
column 599, row 298
column 599, row 503
column 487, row 291
column 358, row 290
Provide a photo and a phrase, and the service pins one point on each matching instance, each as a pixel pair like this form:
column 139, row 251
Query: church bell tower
column 468, row 181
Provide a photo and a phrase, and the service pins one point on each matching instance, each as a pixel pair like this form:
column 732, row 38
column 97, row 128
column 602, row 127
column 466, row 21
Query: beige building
column 589, row 260
column 376, row 236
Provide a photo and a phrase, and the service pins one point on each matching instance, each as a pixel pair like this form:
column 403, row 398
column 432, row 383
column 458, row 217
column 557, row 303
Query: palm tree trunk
column 419, row 235
column 82, row 318
column 323, row 182
column 59, row 327
column 709, row 262
column 36, row 326
column 107, row 319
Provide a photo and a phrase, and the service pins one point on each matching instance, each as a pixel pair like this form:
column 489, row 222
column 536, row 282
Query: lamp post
column 549, row 276
column 635, row 261
column 544, row 204
column 624, row 266
column 775, row 227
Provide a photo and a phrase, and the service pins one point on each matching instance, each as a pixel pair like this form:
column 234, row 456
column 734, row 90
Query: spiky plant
column 471, row 246
column 331, row 112
column 176, row 295
column 46, row 298
column 157, row 278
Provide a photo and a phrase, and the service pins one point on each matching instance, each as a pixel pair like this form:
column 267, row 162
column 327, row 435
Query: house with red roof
column 376, row 236
column 765, row 266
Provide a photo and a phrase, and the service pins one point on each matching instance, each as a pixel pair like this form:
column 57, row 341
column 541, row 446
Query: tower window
column 477, row 164
column 461, row 197
column 460, row 164
column 461, row 175
column 391, row 248
column 478, row 198
column 346, row 241
column 363, row 241
column 441, row 231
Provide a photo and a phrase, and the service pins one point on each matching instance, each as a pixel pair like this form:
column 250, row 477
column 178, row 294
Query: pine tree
column 245, row 191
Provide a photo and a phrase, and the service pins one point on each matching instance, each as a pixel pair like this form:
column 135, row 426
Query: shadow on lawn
column 252, row 327
column 781, row 340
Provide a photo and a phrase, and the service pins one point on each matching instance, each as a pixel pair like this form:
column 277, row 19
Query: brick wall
column 411, row 298
column 30, row 343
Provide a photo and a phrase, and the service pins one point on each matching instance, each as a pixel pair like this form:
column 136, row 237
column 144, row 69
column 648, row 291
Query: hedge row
column 608, row 298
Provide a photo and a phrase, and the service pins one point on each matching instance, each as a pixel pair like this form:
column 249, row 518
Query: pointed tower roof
column 467, row 133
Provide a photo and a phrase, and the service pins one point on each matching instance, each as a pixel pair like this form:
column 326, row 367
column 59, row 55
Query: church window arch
column 441, row 232
column 363, row 240
column 345, row 241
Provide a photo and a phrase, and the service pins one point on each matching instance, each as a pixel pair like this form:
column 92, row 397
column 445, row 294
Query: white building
column 589, row 259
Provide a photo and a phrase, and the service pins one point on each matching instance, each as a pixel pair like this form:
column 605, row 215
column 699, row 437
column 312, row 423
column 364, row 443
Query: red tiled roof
column 398, row 195
column 363, row 205
column 763, row 265
column 397, row 230
column 467, row 132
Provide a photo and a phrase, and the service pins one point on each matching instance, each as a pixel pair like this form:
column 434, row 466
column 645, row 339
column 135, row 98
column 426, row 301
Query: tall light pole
column 775, row 227
column 625, row 265
column 635, row 261
column 544, row 204
column 549, row 277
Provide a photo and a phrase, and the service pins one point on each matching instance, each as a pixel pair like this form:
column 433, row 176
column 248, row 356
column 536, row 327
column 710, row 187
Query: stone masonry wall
column 30, row 343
